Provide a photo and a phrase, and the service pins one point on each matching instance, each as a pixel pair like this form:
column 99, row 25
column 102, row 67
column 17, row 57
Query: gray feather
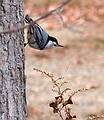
column 31, row 37
column 38, row 38
column 42, row 36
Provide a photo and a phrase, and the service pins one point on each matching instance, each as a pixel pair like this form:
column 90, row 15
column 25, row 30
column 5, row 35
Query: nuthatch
column 38, row 38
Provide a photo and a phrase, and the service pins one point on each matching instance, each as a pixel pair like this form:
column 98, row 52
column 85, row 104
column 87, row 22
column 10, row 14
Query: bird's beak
column 60, row 45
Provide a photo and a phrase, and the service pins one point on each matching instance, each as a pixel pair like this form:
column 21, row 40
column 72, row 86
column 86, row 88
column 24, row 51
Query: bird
column 38, row 38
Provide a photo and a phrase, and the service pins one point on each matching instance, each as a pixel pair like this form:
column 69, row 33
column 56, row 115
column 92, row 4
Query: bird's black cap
column 55, row 40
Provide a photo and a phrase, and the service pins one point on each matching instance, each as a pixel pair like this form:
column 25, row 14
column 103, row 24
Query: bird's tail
column 28, row 19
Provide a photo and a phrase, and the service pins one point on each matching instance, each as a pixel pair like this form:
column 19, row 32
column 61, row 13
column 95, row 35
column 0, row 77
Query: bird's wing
column 30, row 35
column 41, row 36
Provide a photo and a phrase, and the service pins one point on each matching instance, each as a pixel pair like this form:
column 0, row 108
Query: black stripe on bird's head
column 54, row 40
column 28, row 19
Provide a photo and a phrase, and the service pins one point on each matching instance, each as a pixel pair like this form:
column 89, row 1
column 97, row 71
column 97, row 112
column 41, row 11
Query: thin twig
column 36, row 20
column 51, row 77
column 61, row 115
column 79, row 90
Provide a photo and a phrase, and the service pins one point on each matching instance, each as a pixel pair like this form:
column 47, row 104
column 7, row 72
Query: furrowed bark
column 12, row 78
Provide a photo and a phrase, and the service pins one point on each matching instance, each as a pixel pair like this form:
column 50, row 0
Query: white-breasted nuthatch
column 38, row 38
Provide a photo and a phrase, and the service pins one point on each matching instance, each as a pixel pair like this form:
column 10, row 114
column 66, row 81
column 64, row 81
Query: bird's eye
column 55, row 44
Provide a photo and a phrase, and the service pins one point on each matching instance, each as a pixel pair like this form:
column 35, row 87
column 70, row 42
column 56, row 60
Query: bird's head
column 55, row 42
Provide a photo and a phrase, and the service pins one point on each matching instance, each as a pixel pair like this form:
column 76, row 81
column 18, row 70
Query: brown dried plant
column 96, row 117
column 61, row 105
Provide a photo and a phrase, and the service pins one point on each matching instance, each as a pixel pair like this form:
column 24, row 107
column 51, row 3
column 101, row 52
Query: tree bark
column 12, row 78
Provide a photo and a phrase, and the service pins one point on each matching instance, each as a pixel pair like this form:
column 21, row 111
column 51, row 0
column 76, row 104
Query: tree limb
column 38, row 19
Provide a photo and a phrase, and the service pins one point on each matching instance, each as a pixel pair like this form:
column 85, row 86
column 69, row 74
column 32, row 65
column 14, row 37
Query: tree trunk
column 12, row 78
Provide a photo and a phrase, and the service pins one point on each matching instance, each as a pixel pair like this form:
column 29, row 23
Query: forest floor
column 80, row 62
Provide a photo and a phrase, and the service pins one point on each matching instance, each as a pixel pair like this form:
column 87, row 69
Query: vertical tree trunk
column 12, row 79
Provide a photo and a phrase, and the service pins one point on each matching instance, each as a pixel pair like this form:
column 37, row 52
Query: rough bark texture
column 12, row 79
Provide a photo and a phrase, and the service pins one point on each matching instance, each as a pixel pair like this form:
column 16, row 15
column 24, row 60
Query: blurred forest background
column 80, row 29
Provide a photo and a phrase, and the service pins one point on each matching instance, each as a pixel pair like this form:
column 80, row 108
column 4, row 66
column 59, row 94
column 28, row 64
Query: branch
column 38, row 19
column 51, row 76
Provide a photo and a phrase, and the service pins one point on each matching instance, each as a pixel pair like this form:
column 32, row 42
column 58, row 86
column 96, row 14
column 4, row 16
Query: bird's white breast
column 49, row 44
